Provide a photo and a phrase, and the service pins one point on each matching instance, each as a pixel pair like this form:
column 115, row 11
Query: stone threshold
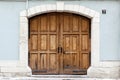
column 60, row 76
column 55, row 77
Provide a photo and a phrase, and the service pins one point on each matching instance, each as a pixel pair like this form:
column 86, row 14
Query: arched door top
column 60, row 7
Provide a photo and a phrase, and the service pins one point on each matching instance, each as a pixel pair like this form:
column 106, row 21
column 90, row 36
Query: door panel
column 75, row 23
column 52, row 61
column 70, row 53
column 34, row 44
column 44, row 42
column 75, row 41
column 84, row 42
column 43, row 61
column 43, row 23
column 59, row 43
column 85, row 25
column 53, row 42
column 34, row 25
column 53, row 23
column 85, row 60
column 34, row 61
column 66, row 22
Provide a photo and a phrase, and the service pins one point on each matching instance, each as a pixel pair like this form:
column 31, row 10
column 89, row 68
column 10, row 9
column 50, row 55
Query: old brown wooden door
column 59, row 43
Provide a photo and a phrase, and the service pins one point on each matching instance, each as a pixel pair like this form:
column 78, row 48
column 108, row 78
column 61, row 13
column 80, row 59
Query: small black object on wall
column 103, row 11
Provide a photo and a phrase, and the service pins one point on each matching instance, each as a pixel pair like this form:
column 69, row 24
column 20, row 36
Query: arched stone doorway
column 59, row 7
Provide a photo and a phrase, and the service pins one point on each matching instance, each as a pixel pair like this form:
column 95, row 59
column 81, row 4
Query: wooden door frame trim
column 60, row 7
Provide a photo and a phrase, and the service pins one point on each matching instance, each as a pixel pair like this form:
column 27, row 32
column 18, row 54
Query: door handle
column 64, row 52
column 60, row 49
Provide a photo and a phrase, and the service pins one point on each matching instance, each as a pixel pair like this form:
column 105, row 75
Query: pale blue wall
column 9, row 29
column 109, row 27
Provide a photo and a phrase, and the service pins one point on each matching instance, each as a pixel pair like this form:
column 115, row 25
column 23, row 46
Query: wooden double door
column 59, row 43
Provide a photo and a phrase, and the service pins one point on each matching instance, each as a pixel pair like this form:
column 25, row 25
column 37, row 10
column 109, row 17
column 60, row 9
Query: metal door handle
column 60, row 49
column 63, row 51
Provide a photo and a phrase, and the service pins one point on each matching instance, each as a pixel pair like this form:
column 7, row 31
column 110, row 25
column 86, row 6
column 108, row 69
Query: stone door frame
column 60, row 7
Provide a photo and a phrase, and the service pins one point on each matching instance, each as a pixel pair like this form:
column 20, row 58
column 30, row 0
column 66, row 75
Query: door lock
column 60, row 49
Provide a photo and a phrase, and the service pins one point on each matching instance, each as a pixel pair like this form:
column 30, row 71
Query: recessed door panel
column 34, row 61
column 43, row 42
column 43, row 61
column 84, row 42
column 53, row 42
column 34, row 42
column 53, row 23
column 43, row 26
column 75, row 23
column 66, row 22
column 34, row 25
column 85, row 25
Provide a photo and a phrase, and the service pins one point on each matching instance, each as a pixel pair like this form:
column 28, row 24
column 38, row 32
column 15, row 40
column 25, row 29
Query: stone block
column 106, row 72
column 60, row 6
column 38, row 9
column 23, row 13
column 76, row 8
column 23, row 19
column 43, row 8
column 31, row 12
column 81, row 10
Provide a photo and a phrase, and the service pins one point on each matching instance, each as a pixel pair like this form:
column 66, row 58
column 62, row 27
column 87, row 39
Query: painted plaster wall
column 9, row 29
column 109, row 27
